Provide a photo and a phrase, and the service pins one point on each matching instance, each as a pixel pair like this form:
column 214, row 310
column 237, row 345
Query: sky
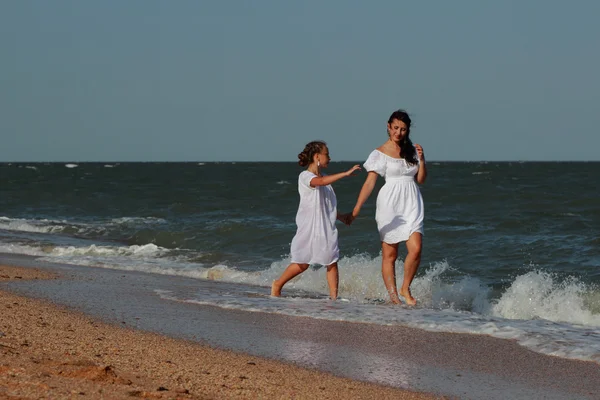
column 226, row 80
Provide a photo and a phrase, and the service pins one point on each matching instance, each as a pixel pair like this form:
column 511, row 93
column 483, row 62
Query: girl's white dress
column 400, row 209
column 316, row 240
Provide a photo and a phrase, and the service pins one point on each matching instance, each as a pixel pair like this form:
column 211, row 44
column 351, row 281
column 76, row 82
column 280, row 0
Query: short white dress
column 400, row 210
column 316, row 239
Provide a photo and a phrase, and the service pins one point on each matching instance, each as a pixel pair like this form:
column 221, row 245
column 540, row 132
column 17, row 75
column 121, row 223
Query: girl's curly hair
column 312, row 148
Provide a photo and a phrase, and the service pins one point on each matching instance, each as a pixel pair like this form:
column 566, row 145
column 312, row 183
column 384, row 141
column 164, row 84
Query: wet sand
column 49, row 351
column 269, row 349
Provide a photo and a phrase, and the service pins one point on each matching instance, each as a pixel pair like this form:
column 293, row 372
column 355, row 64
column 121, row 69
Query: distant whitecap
column 108, row 166
column 71, row 165
column 201, row 163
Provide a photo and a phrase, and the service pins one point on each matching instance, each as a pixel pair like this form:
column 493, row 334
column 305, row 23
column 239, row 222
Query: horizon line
column 291, row 162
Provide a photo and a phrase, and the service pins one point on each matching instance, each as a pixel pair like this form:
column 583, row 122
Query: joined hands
column 347, row 218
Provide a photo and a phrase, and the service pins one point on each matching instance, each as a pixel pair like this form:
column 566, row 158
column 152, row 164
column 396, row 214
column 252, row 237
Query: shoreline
column 408, row 361
column 50, row 351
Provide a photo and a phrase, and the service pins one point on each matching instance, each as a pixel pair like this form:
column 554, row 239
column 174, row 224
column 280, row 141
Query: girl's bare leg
column 389, row 254
column 333, row 280
column 290, row 272
column 414, row 245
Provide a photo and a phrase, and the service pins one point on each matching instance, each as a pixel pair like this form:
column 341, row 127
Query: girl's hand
column 345, row 218
column 420, row 152
column 352, row 171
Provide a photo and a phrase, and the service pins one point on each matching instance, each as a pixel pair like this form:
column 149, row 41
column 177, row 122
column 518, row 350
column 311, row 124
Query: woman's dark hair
column 312, row 148
column 407, row 150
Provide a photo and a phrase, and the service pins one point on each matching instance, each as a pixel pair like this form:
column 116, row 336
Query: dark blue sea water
column 510, row 249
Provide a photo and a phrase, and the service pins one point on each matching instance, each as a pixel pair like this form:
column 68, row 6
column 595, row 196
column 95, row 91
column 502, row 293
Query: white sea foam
column 538, row 310
column 25, row 225
column 531, row 296
column 138, row 220
column 147, row 250
column 71, row 165
column 538, row 295
column 462, row 306
column 58, row 226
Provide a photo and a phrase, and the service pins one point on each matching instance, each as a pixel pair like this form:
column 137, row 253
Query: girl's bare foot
column 275, row 289
column 411, row 301
column 394, row 298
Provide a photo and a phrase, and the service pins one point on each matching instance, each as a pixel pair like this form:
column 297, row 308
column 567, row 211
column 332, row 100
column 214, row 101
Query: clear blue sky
column 255, row 80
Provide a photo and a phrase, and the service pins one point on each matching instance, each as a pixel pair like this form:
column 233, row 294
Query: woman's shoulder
column 378, row 151
column 385, row 151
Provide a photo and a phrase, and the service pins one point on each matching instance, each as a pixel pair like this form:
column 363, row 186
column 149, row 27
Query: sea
column 510, row 249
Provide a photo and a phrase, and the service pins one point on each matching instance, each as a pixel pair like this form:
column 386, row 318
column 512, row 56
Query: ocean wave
column 28, row 225
column 137, row 220
column 540, row 310
column 462, row 306
column 78, row 228
column 541, row 295
column 534, row 295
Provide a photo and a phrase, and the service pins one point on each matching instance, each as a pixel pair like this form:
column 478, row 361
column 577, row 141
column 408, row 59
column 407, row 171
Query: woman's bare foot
column 275, row 289
column 411, row 301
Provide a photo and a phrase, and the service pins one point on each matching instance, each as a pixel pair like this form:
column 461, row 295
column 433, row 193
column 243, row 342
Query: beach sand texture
column 49, row 351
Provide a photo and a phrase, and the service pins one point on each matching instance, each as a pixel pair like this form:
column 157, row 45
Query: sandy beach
column 49, row 351
column 72, row 331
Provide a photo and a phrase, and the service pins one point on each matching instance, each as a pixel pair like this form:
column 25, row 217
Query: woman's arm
column 422, row 172
column 365, row 192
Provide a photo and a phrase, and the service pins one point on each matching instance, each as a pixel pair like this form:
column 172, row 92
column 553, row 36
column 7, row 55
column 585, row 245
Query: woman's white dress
column 316, row 239
column 400, row 209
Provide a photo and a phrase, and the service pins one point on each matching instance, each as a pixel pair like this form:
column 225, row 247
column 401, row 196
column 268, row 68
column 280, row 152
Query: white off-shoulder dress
column 400, row 210
column 316, row 239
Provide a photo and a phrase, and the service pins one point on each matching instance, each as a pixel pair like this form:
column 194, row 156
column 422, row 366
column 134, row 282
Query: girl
column 316, row 240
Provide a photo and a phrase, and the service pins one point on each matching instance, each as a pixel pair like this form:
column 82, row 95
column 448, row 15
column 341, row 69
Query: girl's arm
column 365, row 192
column 329, row 179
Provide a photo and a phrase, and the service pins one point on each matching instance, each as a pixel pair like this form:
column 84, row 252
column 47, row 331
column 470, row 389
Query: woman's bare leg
column 414, row 245
column 290, row 272
column 389, row 254
column 333, row 280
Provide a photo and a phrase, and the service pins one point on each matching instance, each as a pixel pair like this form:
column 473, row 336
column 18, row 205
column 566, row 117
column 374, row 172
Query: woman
column 400, row 210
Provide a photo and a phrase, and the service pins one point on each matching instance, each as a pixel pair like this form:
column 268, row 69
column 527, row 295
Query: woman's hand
column 351, row 219
column 420, row 152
